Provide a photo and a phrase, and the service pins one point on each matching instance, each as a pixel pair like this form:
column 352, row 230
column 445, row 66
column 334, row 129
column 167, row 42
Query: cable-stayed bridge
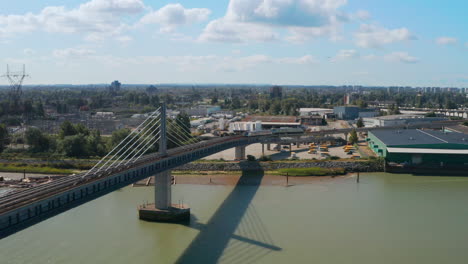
column 172, row 146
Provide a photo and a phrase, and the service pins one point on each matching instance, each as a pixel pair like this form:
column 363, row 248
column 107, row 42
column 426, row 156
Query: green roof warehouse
column 420, row 147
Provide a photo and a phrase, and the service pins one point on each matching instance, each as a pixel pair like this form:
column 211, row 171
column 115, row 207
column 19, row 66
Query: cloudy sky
column 334, row 42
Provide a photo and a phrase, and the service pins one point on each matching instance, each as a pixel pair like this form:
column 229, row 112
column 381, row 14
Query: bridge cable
column 188, row 139
column 131, row 134
column 183, row 128
column 134, row 140
column 140, row 140
column 152, row 140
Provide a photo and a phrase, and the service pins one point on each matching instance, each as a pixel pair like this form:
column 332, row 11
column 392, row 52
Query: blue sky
column 310, row 42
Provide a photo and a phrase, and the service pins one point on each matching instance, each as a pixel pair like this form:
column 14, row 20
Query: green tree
column 4, row 137
column 360, row 123
column 214, row 100
column 353, row 137
column 95, row 144
column 37, row 141
column 362, row 103
column 67, row 129
column 74, row 146
column 118, row 136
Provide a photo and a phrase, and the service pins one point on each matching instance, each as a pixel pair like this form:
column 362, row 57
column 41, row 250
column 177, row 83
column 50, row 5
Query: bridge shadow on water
column 235, row 233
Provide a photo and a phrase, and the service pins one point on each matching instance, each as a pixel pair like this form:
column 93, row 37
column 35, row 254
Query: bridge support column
column 263, row 149
column 268, row 146
column 163, row 190
column 162, row 210
column 240, row 153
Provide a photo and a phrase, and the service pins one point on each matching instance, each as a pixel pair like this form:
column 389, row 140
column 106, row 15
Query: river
column 383, row 219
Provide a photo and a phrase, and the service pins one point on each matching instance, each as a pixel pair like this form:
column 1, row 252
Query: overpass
column 127, row 164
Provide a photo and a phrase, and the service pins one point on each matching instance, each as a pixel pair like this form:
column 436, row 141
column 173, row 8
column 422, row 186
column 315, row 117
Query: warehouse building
column 420, row 147
column 353, row 112
column 399, row 120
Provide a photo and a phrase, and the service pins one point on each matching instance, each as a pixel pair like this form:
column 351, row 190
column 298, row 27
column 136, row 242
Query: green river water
column 384, row 219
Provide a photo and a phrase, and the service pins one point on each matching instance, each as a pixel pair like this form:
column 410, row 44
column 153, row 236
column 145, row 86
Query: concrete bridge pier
column 163, row 190
column 240, row 153
column 269, row 146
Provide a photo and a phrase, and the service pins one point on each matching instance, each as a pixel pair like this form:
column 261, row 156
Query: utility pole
column 16, row 82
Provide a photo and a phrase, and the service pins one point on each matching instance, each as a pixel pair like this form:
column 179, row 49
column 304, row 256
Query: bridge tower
column 163, row 210
column 162, row 185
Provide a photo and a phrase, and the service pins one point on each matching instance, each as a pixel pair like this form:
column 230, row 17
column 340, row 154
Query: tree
column 67, row 129
column 74, row 146
column 37, row 141
column 353, row 137
column 362, row 104
column 324, row 121
column 214, row 100
column 118, row 136
column 95, row 145
column 360, row 123
column 4, row 137
column 431, row 114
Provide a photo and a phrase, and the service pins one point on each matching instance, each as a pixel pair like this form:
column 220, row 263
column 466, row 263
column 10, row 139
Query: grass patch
column 314, row 171
column 33, row 169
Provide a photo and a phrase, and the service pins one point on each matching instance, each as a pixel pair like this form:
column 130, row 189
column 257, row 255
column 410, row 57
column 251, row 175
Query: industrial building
column 202, row 110
column 274, row 121
column 420, row 147
column 322, row 112
column 399, row 120
column 354, row 112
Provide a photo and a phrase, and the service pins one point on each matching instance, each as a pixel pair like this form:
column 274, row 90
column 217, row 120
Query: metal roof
column 271, row 119
column 427, row 151
column 418, row 137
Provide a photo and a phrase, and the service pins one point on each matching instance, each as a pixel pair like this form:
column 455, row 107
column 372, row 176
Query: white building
column 399, row 120
column 245, row 126
column 315, row 111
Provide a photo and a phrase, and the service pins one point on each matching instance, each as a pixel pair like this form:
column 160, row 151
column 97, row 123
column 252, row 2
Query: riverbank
column 371, row 165
column 236, row 178
column 66, row 167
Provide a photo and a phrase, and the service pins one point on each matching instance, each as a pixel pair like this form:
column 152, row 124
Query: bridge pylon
column 163, row 210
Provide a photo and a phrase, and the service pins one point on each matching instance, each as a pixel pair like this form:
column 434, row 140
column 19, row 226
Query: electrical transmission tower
column 16, row 82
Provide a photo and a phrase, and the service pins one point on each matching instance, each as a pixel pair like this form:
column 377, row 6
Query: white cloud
column 401, row 57
column 369, row 57
column 372, row 36
column 446, row 41
column 222, row 30
column 346, row 54
column 307, row 59
column 124, row 39
column 72, row 53
column 306, row 13
column 173, row 15
column 258, row 20
column 29, row 52
column 232, row 63
column 361, row 15
column 93, row 18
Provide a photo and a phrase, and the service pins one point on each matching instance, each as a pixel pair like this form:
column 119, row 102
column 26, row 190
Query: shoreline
column 232, row 179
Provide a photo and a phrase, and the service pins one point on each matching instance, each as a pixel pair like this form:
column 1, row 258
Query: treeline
column 34, row 102
column 77, row 141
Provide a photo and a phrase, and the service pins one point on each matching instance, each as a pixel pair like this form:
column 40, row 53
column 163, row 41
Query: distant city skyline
column 295, row 42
